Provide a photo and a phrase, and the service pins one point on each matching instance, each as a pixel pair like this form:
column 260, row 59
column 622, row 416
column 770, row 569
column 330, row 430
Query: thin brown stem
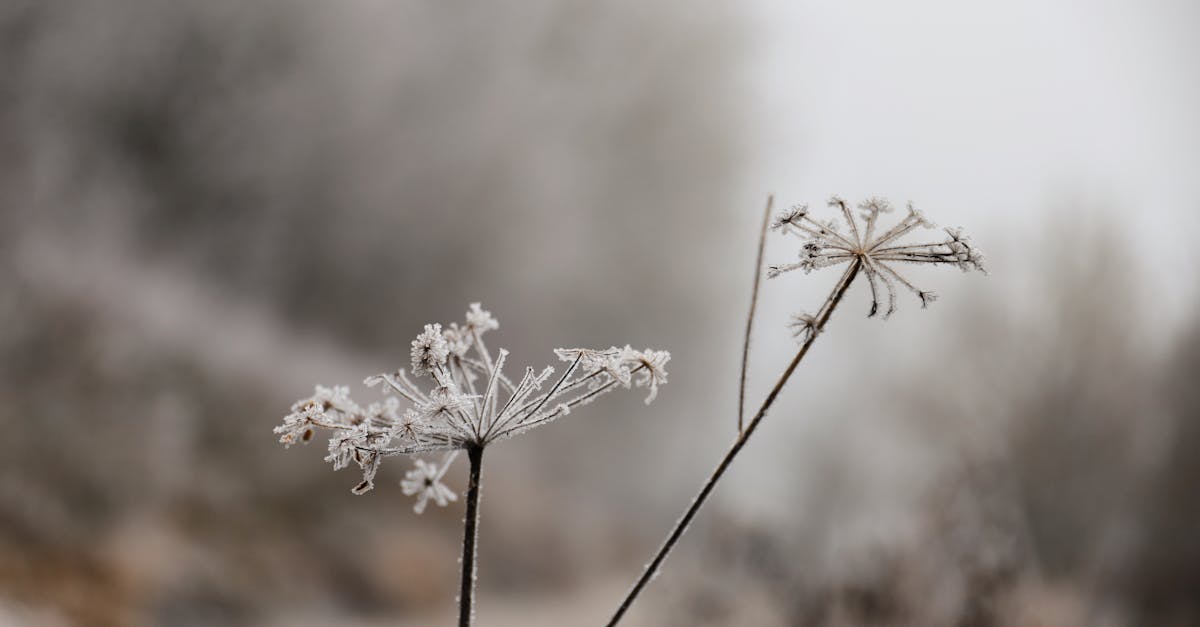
column 466, row 594
column 758, row 263
column 826, row 311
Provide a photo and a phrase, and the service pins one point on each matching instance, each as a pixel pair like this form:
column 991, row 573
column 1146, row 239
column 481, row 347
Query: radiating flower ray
column 878, row 254
column 468, row 401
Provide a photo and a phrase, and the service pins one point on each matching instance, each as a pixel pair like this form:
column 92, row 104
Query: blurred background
column 207, row 207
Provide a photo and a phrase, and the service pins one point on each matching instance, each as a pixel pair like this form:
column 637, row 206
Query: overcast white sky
column 988, row 114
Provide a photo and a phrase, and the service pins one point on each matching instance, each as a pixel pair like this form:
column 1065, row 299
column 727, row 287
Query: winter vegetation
column 208, row 207
column 826, row 244
column 469, row 405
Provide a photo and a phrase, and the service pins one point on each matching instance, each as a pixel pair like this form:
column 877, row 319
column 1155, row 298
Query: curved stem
column 758, row 263
column 466, row 595
column 826, row 311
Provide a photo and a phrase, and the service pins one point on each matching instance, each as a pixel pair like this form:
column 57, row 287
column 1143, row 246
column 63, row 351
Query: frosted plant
column 425, row 481
column 465, row 404
column 876, row 253
column 652, row 366
column 862, row 248
column 803, row 325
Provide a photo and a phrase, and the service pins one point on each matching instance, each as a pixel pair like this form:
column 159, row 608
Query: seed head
column 878, row 253
column 429, row 350
column 466, row 401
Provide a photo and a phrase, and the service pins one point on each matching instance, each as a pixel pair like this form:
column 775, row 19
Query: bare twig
column 758, row 263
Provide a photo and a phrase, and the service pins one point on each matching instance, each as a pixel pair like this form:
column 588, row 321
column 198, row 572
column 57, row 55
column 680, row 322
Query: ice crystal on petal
column 650, row 366
column 442, row 399
column 459, row 398
column 299, row 424
column 876, row 250
column 872, row 207
column 429, row 350
column 409, row 426
column 458, row 339
column 327, row 407
column 383, row 416
column 425, row 481
column 608, row 362
column 344, row 446
column 480, row 319
column 786, row 219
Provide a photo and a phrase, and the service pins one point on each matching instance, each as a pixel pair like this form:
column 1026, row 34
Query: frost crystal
column 611, row 361
column 458, row 339
column 652, row 365
column 327, row 407
column 429, row 350
column 466, row 402
column 786, row 219
column 878, row 253
column 480, row 320
column 425, row 481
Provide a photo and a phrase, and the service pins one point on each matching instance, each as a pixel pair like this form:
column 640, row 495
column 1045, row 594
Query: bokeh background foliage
column 205, row 208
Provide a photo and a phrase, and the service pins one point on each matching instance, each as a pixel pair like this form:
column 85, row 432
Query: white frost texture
column 879, row 253
column 466, row 401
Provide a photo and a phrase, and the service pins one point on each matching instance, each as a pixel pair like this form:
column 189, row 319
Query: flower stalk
column 466, row 595
column 825, row 245
column 758, row 264
column 466, row 404
column 831, row 303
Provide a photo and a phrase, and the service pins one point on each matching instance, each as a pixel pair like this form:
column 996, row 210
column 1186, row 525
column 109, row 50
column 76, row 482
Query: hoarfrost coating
column 469, row 402
column 826, row 246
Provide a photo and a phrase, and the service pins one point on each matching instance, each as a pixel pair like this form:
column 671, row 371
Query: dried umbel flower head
column 862, row 250
column 467, row 402
column 877, row 253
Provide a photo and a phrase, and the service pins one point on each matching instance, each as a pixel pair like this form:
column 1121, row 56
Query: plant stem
column 762, row 244
column 826, row 311
column 466, row 595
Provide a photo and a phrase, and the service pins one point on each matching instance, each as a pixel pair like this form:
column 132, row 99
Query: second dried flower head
column 878, row 253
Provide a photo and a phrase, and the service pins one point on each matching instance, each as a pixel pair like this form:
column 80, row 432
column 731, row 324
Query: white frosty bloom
column 651, row 368
column 609, row 362
column 425, row 481
column 874, row 205
column 785, row 219
column 442, row 399
column 964, row 252
column 480, row 320
column 383, row 416
column 429, row 350
column 327, row 407
column 344, row 446
column 362, row 446
column 878, row 254
column 298, row 425
column 409, row 426
column 462, row 403
column 458, row 339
